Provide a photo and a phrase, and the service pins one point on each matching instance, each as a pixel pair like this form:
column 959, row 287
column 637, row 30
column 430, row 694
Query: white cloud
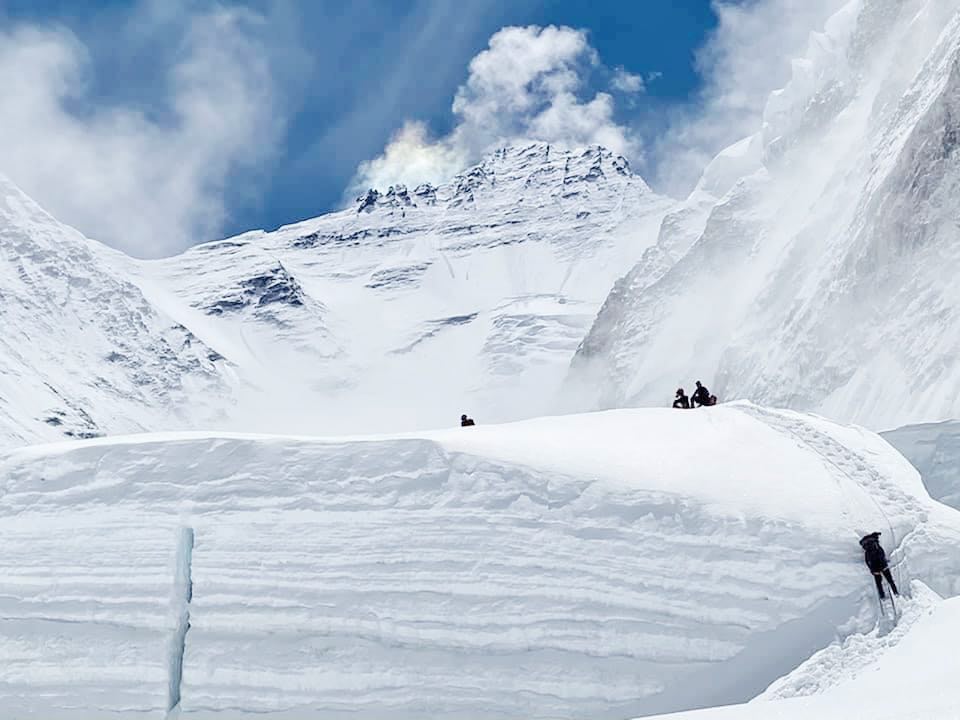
column 527, row 85
column 746, row 57
column 627, row 82
column 145, row 185
column 411, row 158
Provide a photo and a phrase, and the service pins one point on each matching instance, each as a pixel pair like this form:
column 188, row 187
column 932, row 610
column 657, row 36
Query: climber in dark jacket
column 701, row 396
column 466, row 422
column 682, row 402
column 876, row 560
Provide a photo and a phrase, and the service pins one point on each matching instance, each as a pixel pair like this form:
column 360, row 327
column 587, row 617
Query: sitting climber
column 682, row 401
column 466, row 421
column 701, row 396
column 876, row 560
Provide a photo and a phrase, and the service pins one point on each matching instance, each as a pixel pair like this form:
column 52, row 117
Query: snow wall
column 606, row 566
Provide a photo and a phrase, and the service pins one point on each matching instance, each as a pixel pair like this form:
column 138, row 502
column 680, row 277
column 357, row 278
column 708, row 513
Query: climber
column 876, row 560
column 466, row 422
column 682, row 402
column 701, row 396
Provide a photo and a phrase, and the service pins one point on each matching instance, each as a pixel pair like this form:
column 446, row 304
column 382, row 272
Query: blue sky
column 307, row 92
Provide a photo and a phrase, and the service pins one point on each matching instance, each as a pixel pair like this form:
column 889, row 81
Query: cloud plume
column 528, row 84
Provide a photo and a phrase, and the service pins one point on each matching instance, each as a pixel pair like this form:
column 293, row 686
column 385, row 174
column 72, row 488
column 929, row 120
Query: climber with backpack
column 702, row 397
column 876, row 560
column 682, row 402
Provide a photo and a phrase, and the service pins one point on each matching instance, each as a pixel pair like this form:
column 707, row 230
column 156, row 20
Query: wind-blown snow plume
column 149, row 183
column 527, row 85
column 747, row 57
column 812, row 266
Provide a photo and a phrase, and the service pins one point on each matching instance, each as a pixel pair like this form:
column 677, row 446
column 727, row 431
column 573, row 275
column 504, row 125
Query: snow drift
column 602, row 566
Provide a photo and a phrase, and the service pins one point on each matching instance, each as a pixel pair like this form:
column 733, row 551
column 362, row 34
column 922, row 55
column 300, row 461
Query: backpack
column 873, row 553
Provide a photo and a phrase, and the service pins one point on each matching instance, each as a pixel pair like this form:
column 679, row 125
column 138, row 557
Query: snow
column 85, row 614
column 82, row 349
column 415, row 305
column 397, row 313
column 843, row 661
column 605, row 565
column 908, row 674
column 815, row 264
column 934, row 449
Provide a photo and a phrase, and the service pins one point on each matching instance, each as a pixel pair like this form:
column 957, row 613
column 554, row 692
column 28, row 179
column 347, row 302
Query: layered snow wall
column 907, row 674
column 606, row 566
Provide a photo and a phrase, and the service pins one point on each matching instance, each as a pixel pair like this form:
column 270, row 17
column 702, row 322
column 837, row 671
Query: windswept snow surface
column 604, row 566
column 815, row 265
column 82, row 351
column 908, row 674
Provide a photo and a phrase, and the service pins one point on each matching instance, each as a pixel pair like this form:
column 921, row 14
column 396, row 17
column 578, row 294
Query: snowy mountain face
column 416, row 305
column 814, row 266
column 403, row 311
column 603, row 565
column 554, row 568
column 82, row 350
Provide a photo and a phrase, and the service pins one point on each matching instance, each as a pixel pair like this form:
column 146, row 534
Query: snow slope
column 814, row 266
column 415, row 305
column 909, row 674
column 604, row 565
column 402, row 311
column 934, row 450
column 82, row 351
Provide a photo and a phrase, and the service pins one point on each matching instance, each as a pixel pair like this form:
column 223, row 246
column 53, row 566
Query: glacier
column 604, row 565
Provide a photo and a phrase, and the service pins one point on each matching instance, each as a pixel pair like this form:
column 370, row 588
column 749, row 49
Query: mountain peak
column 515, row 170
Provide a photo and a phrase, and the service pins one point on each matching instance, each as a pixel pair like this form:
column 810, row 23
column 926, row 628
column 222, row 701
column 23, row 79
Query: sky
column 156, row 124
